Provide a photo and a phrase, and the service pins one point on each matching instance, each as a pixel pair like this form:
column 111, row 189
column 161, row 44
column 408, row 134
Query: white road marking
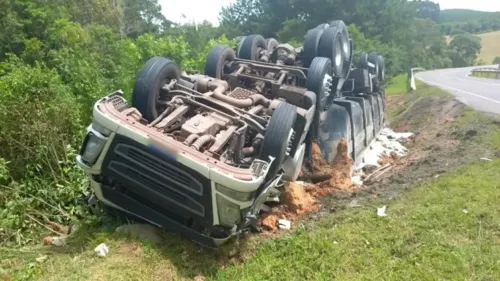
column 458, row 90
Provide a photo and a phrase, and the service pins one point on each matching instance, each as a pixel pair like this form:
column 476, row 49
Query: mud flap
column 367, row 118
column 381, row 103
column 356, row 117
column 372, row 99
column 334, row 124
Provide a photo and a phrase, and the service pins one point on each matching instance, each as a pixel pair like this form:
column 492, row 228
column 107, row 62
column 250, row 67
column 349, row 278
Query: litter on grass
column 285, row 224
column 101, row 250
column 381, row 212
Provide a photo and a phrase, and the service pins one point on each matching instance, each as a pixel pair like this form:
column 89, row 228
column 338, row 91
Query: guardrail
column 488, row 72
column 413, row 85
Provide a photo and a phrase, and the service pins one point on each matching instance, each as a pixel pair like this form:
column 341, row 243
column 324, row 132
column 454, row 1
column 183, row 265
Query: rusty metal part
column 189, row 140
column 221, row 141
column 168, row 144
column 200, row 125
column 172, row 118
column 216, row 89
column 248, row 151
column 255, row 110
column 202, row 141
column 241, row 93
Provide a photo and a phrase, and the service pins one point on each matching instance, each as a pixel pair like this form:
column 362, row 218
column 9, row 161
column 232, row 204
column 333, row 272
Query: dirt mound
column 297, row 200
column 339, row 173
column 301, row 199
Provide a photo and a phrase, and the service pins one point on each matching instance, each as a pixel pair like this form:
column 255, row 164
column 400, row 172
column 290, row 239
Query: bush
column 496, row 60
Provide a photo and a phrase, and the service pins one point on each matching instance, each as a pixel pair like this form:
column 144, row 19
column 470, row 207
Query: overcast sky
column 199, row 10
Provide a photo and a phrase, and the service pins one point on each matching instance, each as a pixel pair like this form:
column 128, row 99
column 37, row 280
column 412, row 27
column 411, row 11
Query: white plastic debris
column 335, row 242
column 59, row 241
column 356, row 180
column 386, row 143
column 465, row 211
column 284, row 224
column 101, row 250
column 486, row 159
column 381, row 212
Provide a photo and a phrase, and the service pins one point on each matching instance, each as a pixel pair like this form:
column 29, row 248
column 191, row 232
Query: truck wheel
column 323, row 26
column 217, row 60
column 346, row 48
column 381, row 62
column 251, row 46
column 277, row 137
column 374, row 58
column 311, row 44
column 319, row 81
column 271, row 44
column 363, row 61
column 330, row 46
column 146, row 95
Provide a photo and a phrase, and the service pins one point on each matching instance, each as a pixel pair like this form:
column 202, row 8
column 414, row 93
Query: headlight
column 92, row 147
column 236, row 195
column 229, row 213
column 101, row 129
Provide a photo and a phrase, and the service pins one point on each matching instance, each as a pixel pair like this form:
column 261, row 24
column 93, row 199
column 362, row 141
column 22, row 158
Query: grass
column 445, row 229
column 397, row 85
column 426, row 236
column 490, row 43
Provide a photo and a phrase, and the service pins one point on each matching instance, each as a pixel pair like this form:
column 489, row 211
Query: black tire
column 330, row 46
column 271, row 44
column 373, row 58
column 363, row 61
column 276, row 138
column 311, row 44
column 154, row 75
column 251, row 46
column 346, row 48
column 320, row 66
column 219, row 56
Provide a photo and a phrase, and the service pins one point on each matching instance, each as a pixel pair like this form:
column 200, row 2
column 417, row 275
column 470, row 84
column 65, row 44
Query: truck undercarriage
column 201, row 154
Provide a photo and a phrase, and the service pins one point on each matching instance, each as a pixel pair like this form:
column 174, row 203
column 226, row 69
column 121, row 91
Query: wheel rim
column 326, row 89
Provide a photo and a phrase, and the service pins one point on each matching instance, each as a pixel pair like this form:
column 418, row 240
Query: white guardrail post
column 413, row 85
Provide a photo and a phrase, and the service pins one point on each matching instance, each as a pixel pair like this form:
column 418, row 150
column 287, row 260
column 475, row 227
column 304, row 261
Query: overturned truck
column 201, row 154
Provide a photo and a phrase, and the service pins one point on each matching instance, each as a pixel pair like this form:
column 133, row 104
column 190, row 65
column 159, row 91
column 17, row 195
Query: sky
column 200, row 10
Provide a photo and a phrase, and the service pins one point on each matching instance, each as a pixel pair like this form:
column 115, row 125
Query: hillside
column 463, row 15
column 490, row 43
column 490, row 46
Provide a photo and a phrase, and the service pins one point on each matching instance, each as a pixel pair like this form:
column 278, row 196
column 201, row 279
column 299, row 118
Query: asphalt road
column 480, row 93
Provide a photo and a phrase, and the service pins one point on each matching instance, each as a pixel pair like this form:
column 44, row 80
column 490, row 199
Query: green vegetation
column 454, row 21
column 496, row 60
column 398, row 85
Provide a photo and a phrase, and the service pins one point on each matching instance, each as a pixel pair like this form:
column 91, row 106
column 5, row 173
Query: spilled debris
column 385, row 149
column 322, row 178
column 381, row 211
column 101, row 250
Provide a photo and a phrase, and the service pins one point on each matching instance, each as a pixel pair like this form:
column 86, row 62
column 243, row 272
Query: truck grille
column 148, row 173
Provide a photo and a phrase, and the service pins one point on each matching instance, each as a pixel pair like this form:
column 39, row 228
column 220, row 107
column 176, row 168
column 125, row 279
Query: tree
column 429, row 10
column 496, row 60
column 465, row 48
